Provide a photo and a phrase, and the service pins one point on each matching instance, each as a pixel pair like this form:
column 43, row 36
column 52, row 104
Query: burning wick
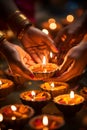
column 44, row 61
column 71, row 94
column 45, row 122
column 33, row 95
column 13, row 108
column 44, row 64
column 52, row 85
column 51, row 54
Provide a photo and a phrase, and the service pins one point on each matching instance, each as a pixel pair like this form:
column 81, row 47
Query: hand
column 68, row 37
column 37, row 44
column 74, row 63
column 18, row 59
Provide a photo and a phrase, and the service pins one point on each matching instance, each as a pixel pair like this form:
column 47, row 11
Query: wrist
column 18, row 23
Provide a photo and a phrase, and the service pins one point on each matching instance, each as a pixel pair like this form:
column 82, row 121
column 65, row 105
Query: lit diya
column 46, row 122
column 36, row 99
column 44, row 70
column 6, row 87
column 69, row 104
column 16, row 115
column 55, row 88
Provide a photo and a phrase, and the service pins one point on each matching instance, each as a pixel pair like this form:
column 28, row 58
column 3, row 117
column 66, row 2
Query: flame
column 44, row 60
column 51, row 54
column 1, row 117
column 52, row 85
column 13, row 108
column 45, row 120
column 33, row 93
column 72, row 94
column 0, row 82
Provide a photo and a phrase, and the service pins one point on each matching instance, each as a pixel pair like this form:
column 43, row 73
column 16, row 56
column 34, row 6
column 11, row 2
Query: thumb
column 25, row 69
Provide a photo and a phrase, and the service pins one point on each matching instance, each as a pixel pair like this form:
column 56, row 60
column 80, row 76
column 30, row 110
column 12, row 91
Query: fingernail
column 31, row 75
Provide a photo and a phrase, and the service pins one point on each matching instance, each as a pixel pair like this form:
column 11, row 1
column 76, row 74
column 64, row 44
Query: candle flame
column 44, row 60
column 52, row 85
column 0, row 82
column 72, row 94
column 45, row 120
column 1, row 117
column 33, row 93
column 13, row 108
column 51, row 54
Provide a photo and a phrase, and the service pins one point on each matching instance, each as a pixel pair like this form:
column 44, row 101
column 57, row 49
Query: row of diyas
column 66, row 103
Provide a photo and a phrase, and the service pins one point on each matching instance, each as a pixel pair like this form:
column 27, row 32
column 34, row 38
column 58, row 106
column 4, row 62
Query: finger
column 21, row 69
column 34, row 54
column 50, row 44
column 74, row 70
column 66, row 64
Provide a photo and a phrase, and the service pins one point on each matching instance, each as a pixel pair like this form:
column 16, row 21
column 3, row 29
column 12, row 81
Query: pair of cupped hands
column 37, row 44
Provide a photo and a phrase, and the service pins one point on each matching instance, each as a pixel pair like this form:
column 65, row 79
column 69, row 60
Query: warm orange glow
column 52, row 85
column 1, row 117
column 45, row 31
column 72, row 94
column 53, row 26
column 70, row 18
column 45, row 120
column 13, row 108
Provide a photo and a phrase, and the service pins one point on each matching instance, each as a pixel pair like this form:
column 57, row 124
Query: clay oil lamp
column 16, row 115
column 6, row 87
column 69, row 104
column 36, row 99
column 46, row 122
column 44, row 70
column 55, row 88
